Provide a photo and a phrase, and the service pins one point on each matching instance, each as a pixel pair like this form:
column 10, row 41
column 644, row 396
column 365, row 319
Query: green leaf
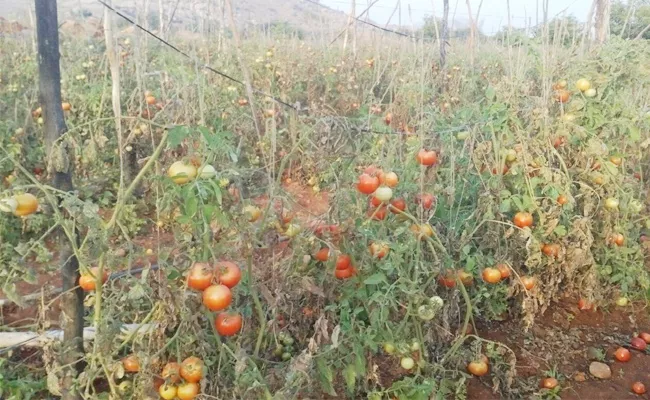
column 350, row 376
column 325, row 376
column 173, row 274
column 560, row 230
column 375, row 279
column 176, row 135
column 635, row 135
column 505, row 206
column 191, row 206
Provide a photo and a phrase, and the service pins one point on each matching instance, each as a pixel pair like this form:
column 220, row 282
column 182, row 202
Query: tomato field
column 345, row 224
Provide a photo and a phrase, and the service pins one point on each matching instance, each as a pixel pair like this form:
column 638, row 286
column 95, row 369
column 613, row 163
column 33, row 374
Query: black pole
column 61, row 162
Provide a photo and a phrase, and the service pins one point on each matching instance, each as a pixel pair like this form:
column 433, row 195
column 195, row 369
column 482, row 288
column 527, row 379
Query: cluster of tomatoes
column 409, row 353
column 181, row 381
column 639, row 343
column 218, row 296
column 562, row 95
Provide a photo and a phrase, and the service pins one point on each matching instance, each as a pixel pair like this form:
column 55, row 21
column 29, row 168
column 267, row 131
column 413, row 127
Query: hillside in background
column 297, row 15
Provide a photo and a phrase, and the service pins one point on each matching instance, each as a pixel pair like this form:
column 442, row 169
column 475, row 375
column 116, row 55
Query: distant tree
column 638, row 22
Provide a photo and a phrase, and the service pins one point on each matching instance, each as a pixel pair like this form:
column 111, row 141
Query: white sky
column 493, row 12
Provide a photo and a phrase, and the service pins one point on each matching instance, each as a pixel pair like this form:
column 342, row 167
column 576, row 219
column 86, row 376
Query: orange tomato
column 26, row 204
column 150, row 100
column 491, row 275
column 549, row 383
column 562, row 96
column 478, row 368
column 528, row 282
column 562, row 200
column 638, row 388
column 551, row 250
column 187, row 391
column 217, row 297
column 344, row 273
column 322, row 254
column 131, row 363
column 622, row 354
column 504, row 270
column 200, row 276
column 617, row 239
column 427, row 158
column 66, row 106
column 379, row 250
column 192, row 369
column 228, row 324
column 391, row 179
column 88, row 280
column 523, row 220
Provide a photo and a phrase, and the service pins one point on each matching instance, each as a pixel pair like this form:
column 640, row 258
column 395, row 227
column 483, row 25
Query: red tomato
column 172, row 372
column 622, row 354
column 192, row 369
column 562, row 96
column 228, row 273
column 228, row 324
column 617, row 239
column 638, row 388
column 585, row 305
column 523, row 220
column 375, row 202
column 491, row 275
column 367, row 184
column 645, row 336
column 217, row 297
column 425, row 199
column 200, row 276
column 638, row 344
column 397, row 205
column 447, row 280
column 322, row 254
column 378, row 214
column 427, row 158
column 344, row 273
column 343, row 261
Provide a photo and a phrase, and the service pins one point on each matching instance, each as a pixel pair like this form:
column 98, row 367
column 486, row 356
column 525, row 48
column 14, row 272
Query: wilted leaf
column 335, row 336
column 308, row 284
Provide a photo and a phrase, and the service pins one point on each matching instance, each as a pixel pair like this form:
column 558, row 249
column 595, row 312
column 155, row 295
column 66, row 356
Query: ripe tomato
column 645, row 336
column 491, row 275
column 379, row 250
column 200, row 276
column 562, row 200
column 391, row 179
column 425, row 199
column 551, row 250
column 66, row 106
column 378, row 214
column 167, row 392
column 478, row 368
column 504, row 270
column 617, row 239
column 523, row 220
column 132, row 364
column 88, row 280
column 622, row 354
column 228, row 324
column 343, row 273
column 187, row 391
column 374, row 201
column 191, row 369
column 638, row 388
column 322, row 254
column 26, row 204
column 447, row 280
column 397, row 205
column 367, row 184
column 528, row 282
column 228, row 273
column 427, row 158
column 638, row 344
column 562, row 96
column 584, row 305
column 343, row 261
column 422, row 230
column 549, row 383
column 172, row 372
column 181, row 173
column 217, row 297
column 150, row 100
